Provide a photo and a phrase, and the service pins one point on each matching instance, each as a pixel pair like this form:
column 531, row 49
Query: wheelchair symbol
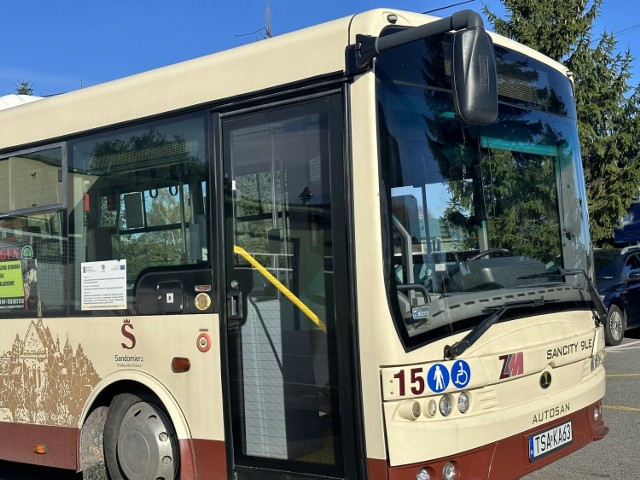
column 460, row 373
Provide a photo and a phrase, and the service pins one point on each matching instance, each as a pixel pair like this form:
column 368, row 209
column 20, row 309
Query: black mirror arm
column 367, row 48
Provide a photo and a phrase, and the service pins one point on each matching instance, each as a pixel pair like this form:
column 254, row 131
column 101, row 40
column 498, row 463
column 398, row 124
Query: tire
column 614, row 326
column 140, row 442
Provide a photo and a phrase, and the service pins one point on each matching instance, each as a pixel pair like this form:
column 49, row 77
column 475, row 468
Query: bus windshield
column 477, row 216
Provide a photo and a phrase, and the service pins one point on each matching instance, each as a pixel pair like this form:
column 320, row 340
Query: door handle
column 234, row 306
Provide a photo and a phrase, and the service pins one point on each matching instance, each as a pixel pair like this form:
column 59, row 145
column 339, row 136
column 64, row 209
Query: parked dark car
column 618, row 284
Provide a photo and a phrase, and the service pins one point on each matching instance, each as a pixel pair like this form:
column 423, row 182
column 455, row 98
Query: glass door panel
column 280, row 289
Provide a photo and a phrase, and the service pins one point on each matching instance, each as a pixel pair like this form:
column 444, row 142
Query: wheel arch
column 133, row 381
column 94, row 415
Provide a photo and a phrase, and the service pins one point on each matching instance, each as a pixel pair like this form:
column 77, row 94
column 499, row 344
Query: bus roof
column 257, row 66
column 286, row 59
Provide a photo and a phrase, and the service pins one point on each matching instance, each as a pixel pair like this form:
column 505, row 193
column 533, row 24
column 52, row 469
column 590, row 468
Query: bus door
column 286, row 295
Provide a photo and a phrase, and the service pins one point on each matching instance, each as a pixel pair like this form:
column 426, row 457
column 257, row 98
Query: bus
column 358, row 250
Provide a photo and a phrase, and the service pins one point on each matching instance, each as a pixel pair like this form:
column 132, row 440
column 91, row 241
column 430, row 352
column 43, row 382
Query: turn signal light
column 180, row 365
column 40, row 448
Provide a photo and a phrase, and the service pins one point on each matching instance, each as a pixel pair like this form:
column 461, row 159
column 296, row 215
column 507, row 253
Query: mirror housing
column 474, row 78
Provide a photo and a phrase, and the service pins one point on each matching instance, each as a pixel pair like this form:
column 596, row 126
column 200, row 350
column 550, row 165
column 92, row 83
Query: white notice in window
column 104, row 285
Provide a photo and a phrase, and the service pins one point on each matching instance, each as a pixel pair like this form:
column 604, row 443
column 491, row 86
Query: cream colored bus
column 360, row 250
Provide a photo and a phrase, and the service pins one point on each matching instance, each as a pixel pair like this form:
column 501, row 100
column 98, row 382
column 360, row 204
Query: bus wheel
column 139, row 440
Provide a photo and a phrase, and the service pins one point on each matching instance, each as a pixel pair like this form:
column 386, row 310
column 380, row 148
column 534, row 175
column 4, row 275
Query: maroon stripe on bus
column 377, row 469
column 508, row 458
column 206, row 457
column 18, row 440
column 201, row 459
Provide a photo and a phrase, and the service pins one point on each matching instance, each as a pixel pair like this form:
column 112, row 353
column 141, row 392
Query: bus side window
column 32, row 265
column 140, row 197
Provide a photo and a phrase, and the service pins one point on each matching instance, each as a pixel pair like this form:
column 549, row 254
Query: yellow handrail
column 276, row 283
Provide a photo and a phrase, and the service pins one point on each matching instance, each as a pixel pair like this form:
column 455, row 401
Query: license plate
column 550, row 440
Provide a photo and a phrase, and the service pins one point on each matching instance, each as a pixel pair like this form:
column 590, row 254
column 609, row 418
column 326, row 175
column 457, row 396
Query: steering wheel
column 490, row 251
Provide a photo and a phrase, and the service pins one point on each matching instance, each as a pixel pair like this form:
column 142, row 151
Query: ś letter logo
column 126, row 326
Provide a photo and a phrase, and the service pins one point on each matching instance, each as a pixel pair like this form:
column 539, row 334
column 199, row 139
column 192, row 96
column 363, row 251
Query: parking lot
column 616, row 456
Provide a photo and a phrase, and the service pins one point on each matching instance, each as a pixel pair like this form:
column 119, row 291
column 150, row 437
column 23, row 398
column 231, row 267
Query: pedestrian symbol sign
column 438, row 378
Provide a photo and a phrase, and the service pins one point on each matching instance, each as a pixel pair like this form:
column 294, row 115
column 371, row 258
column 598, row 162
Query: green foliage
column 159, row 240
column 156, row 248
column 24, row 88
column 609, row 127
column 551, row 27
column 520, row 199
column 607, row 106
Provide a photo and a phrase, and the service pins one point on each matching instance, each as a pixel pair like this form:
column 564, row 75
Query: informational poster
column 11, row 286
column 18, row 278
column 104, row 285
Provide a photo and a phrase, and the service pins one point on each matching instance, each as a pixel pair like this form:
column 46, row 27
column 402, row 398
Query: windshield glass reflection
column 474, row 210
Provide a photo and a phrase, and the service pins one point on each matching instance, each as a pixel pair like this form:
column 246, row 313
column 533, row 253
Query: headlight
column 463, row 402
column 432, row 408
column 423, row 474
column 410, row 410
column 449, row 471
column 446, row 405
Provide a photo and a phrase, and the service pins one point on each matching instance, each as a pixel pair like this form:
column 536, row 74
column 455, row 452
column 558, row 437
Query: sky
column 64, row 45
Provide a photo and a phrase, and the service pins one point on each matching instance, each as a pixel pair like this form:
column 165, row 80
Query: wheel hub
column 145, row 450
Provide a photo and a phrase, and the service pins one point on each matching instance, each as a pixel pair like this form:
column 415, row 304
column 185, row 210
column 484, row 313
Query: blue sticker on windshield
column 460, row 373
column 438, row 377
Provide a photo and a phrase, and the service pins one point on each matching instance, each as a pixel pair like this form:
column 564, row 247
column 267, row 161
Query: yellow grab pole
column 276, row 283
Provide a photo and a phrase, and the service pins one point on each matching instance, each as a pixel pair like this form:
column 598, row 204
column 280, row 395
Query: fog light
column 423, row 474
column 446, row 405
column 596, row 413
column 410, row 410
column 432, row 408
column 449, row 471
column 463, row 402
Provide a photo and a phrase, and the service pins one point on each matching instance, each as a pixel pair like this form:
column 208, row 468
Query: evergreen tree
column 24, row 88
column 608, row 107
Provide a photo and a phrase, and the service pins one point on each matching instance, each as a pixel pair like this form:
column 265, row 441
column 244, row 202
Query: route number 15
column 417, row 381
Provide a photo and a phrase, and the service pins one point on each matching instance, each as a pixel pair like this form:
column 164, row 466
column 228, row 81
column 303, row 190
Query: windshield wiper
column 458, row 348
column 601, row 310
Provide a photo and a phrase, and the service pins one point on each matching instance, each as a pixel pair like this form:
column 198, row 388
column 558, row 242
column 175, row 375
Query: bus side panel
column 18, row 442
column 209, row 457
column 377, row 469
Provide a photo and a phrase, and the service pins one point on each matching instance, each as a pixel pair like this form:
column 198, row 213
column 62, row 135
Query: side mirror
column 474, row 77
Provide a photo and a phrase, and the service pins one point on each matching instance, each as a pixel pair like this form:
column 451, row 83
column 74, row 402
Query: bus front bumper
column 506, row 459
